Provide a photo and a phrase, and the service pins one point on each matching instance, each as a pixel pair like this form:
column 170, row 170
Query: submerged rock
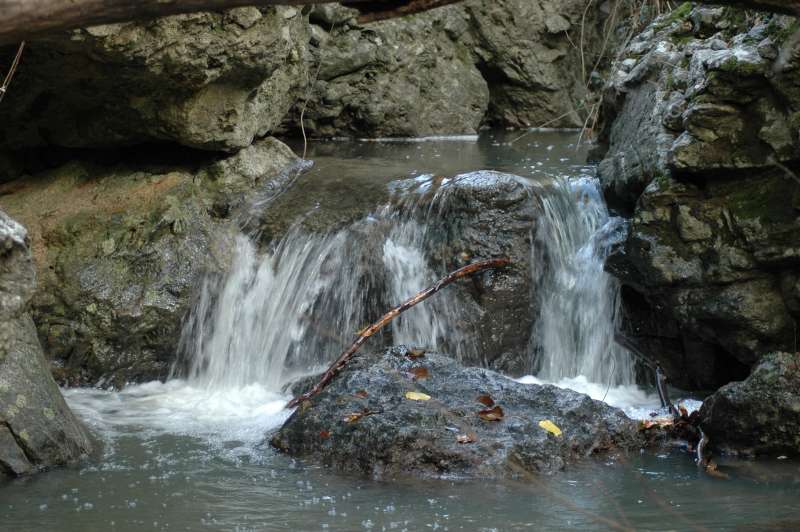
column 363, row 422
column 120, row 252
column 37, row 429
column 699, row 148
column 760, row 415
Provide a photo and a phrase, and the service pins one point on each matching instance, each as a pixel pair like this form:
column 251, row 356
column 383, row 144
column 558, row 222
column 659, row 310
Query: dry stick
column 364, row 335
column 11, row 71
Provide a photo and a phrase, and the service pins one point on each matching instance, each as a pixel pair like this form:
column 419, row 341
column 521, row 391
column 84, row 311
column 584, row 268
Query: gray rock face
column 207, row 80
column 216, row 81
column 450, row 70
column 401, row 437
column 37, row 429
column 120, row 252
column 760, row 415
column 699, row 149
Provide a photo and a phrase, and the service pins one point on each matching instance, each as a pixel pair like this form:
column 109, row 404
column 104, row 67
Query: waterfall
column 578, row 300
column 290, row 310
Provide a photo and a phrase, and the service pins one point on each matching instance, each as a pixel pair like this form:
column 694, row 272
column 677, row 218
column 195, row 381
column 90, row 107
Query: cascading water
column 288, row 312
column 574, row 335
column 292, row 308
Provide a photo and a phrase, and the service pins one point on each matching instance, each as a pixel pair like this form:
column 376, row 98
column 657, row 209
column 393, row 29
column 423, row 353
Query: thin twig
column 364, row 335
column 11, row 71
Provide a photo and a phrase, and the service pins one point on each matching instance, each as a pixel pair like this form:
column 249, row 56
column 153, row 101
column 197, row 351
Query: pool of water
column 176, row 456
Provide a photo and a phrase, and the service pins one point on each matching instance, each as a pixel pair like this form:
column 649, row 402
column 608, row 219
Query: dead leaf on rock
column 415, row 353
column 550, row 427
column 492, row 414
column 361, row 393
column 417, row 396
column 324, row 434
column 352, row 418
column 419, row 373
column 469, row 437
column 486, row 400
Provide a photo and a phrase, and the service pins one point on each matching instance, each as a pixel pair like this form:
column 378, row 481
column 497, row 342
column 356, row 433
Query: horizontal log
column 786, row 7
column 27, row 19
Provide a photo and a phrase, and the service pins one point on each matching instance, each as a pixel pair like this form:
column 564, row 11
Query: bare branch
column 364, row 335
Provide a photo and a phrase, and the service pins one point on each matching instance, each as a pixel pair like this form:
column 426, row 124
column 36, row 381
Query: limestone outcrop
column 37, row 428
column 700, row 147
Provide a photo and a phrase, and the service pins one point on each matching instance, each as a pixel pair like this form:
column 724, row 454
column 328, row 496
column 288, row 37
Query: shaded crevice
column 30, row 456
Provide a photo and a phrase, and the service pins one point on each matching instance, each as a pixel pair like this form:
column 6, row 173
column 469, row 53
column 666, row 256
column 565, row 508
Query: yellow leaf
column 417, row 396
column 550, row 427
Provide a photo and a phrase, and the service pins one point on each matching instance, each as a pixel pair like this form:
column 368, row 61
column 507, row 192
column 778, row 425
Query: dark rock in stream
column 760, row 415
column 395, row 436
column 37, row 429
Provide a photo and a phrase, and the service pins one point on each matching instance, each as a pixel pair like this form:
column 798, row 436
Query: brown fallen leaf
column 419, row 373
column 469, row 437
column 486, row 400
column 361, row 393
column 492, row 414
column 324, row 434
column 415, row 353
column 352, row 418
column 711, row 469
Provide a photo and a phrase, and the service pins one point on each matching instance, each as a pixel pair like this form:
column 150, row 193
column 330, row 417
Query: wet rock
column 396, row 436
column 208, row 80
column 120, row 251
column 484, row 215
column 699, row 150
column 760, row 415
column 37, row 429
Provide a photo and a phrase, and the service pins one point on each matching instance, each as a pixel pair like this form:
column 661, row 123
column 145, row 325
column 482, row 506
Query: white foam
column 635, row 402
column 218, row 416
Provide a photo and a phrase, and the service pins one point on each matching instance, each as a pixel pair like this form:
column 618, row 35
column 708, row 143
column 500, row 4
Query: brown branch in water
column 365, row 334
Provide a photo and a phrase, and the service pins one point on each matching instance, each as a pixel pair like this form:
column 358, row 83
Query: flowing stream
column 190, row 453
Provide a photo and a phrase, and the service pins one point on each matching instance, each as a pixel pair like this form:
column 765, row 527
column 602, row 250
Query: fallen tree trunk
column 786, row 7
column 26, row 19
column 364, row 335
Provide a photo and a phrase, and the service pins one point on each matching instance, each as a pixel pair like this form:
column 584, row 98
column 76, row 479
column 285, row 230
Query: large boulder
column 37, row 429
column 449, row 70
column 364, row 423
column 483, row 215
column 120, row 252
column 760, row 415
column 206, row 80
column 699, row 146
